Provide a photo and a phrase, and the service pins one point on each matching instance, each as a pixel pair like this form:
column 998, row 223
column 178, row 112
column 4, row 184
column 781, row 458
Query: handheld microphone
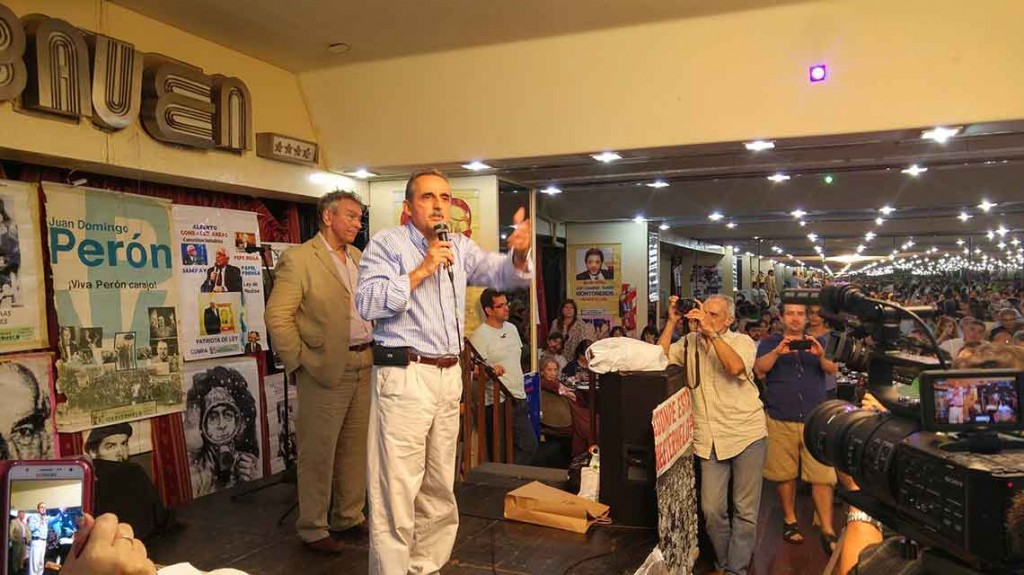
column 441, row 230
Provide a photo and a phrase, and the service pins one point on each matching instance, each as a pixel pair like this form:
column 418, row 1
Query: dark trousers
column 524, row 441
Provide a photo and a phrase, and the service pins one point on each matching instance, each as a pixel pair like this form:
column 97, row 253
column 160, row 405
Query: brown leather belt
column 361, row 346
column 442, row 362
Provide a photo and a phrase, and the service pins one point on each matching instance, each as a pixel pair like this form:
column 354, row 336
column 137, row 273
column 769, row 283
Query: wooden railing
column 476, row 376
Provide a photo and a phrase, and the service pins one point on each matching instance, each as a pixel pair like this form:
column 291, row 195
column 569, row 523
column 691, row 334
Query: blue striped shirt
column 424, row 319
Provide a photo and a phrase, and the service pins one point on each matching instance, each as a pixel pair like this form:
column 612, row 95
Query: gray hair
column 730, row 303
column 329, row 200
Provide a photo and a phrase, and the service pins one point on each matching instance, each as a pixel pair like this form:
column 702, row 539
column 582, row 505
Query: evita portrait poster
column 221, row 280
column 22, row 294
column 115, row 296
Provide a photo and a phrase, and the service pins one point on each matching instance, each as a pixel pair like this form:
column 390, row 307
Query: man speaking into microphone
column 412, row 283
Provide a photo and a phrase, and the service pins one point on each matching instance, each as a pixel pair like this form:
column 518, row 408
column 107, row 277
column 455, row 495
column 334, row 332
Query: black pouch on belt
column 391, row 356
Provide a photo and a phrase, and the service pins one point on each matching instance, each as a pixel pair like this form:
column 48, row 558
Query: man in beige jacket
column 323, row 341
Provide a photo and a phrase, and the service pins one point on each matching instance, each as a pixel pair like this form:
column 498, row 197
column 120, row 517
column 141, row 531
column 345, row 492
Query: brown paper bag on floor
column 543, row 505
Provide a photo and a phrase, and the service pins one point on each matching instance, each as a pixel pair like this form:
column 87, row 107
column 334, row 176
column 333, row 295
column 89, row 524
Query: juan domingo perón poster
column 221, row 281
column 22, row 294
column 115, row 296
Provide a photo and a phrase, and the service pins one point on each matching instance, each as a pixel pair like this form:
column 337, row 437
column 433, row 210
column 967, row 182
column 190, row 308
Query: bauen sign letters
column 59, row 69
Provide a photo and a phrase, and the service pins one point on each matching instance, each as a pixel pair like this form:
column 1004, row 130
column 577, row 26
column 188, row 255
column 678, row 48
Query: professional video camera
column 948, row 494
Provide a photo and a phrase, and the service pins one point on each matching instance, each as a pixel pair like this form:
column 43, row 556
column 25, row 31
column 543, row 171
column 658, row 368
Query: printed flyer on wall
column 115, row 296
column 220, row 280
column 22, row 292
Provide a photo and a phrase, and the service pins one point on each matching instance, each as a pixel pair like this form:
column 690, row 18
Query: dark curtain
column 279, row 221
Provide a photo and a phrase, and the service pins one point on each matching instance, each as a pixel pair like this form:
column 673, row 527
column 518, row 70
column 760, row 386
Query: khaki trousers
column 414, row 432
column 330, row 431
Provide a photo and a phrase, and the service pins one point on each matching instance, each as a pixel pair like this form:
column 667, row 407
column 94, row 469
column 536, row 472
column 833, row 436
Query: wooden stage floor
column 244, row 535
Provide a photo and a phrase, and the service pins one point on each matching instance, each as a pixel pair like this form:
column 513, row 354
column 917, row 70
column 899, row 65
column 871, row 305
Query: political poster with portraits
column 115, row 295
column 595, row 282
column 281, row 435
column 222, row 417
column 220, row 280
column 22, row 291
column 26, row 412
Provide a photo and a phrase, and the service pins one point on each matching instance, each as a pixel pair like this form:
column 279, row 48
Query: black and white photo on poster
column 221, row 421
column 281, row 436
column 22, row 294
column 677, row 515
column 119, row 441
column 26, row 423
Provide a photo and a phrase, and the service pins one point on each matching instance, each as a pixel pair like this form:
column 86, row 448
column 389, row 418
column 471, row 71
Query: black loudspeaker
column 625, row 402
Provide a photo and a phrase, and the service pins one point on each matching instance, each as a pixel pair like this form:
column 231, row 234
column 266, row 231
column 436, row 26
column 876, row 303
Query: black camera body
column 950, row 495
column 685, row 304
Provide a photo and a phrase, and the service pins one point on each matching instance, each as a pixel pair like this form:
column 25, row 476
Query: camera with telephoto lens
column 685, row 304
column 939, row 470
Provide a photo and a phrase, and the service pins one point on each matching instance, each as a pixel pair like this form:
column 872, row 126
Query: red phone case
column 7, row 466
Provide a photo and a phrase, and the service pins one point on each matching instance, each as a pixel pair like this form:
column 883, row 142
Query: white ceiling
column 295, row 34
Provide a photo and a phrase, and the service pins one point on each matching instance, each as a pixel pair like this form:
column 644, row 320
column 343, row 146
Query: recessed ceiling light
column 869, row 236
column 715, row 216
column 778, row 178
column 476, row 166
column 879, row 221
column 731, row 225
column 986, row 205
column 940, row 135
column 818, row 73
column 606, row 157
column 960, row 242
column 759, row 145
column 640, row 220
column 1015, row 242
column 861, row 248
column 551, row 191
column 338, row 48
column 1001, row 230
column 663, row 227
column 886, row 210
column 1001, row 245
column 798, row 213
column 990, row 235
column 802, row 223
column 964, row 216
column 361, row 173
column 817, row 249
column 828, row 179
column 658, row 184
column 914, row 170
column 812, row 236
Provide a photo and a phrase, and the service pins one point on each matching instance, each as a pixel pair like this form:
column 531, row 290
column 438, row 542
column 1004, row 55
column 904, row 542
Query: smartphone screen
column 44, row 502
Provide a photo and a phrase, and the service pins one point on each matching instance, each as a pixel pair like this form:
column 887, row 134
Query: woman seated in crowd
column 561, row 410
column 577, row 366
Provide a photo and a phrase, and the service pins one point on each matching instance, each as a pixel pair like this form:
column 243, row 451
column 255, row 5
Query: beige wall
column 633, row 240
column 277, row 102
column 732, row 76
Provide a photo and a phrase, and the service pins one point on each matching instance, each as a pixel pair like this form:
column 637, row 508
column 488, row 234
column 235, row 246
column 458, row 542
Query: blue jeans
column 734, row 541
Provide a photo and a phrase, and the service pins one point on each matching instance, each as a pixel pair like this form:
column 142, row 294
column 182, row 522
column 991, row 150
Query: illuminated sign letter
column 176, row 106
column 12, row 49
column 116, row 82
column 232, row 114
column 60, row 58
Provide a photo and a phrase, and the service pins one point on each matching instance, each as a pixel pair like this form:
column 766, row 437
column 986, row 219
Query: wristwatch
column 862, row 517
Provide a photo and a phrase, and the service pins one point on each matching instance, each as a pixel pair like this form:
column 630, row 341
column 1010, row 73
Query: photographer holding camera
column 728, row 422
column 794, row 368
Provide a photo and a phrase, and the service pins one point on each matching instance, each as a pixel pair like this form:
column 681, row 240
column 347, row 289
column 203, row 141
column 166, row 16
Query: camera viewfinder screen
column 46, row 511
column 976, row 401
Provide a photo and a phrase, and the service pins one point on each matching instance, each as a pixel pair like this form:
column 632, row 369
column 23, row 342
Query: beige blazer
column 308, row 313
